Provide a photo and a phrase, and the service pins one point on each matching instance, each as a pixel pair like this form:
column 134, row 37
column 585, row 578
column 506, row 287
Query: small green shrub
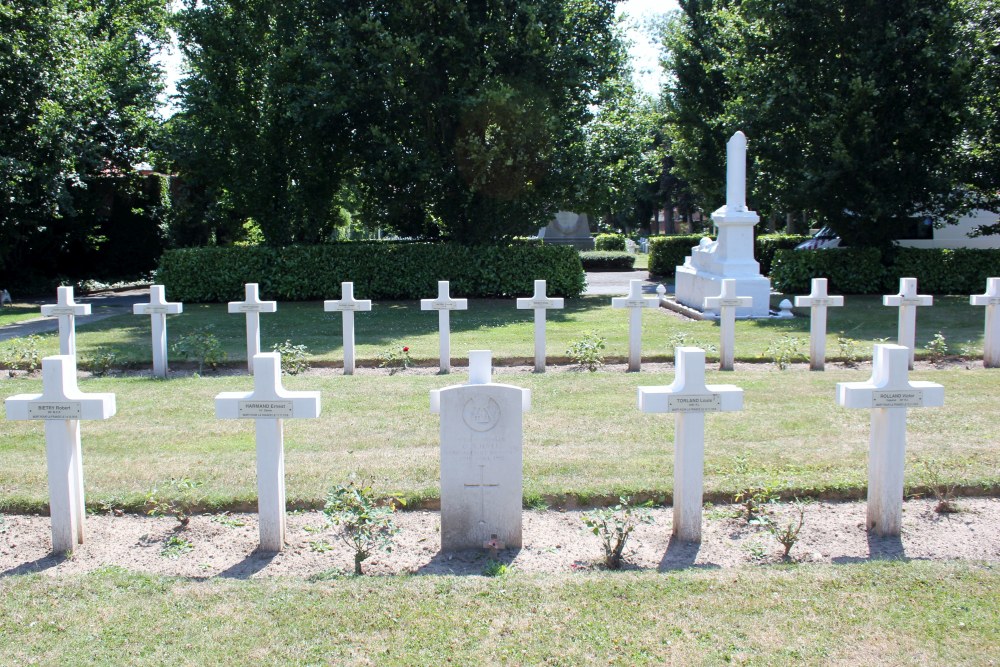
column 396, row 358
column 21, row 354
column 365, row 525
column 937, row 348
column 756, row 501
column 179, row 499
column 101, row 360
column 609, row 242
column 765, row 245
column 788, row 534
column 785, row 350
column 607, row 261
column 930, row 472
column 613, row 525
column 588, row 352
column 176, row 546
column 293, row 358
column 203, row 346
column 848, row 349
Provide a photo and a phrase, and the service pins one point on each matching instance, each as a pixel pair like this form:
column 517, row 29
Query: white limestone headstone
column 444, row 304
column 67, row 310
column 888, row 393
column 726, row 303
column 268, row 405
column 991, row 337
column 62, row 405
column 252, row 306
column 689, row 398
column 348, row 305
column 158, row 309
column 817, row 302
column 540, row 303
column 481, row 458
column 907, row 301
column 635, row 302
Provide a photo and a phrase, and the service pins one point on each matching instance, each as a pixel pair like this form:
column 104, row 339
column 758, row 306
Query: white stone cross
column 66, row 309
column 481, row 458
column 347, row 305
column 268, row 404
column 689, row 398
column 62, row 405
column 888, row 393
column 540, row 303
column 991, row 337
column 907, row 301
column 158, row 309
column 817, row 302
column 635, row 302
column 253, row 307
column 726, row 303
column 444, row 304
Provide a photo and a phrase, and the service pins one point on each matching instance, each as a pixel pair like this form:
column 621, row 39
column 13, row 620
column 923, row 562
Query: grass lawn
column 885, row 613
column 19, row 312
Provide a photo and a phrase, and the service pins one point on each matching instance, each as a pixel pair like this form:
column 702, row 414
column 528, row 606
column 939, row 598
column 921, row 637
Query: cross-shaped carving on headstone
column 888, row 393
column 635, row 302
column 540, row 303
column 66, row 309
column 62, row 405
column 347, row 305
column 726, row 303
column 991, row 337
column 252, row 306
column 444, row 304
column 817, row 302
column 907, row 301
column 482, row 485
column 268, row 404
column 158, row 309
column 689, row 398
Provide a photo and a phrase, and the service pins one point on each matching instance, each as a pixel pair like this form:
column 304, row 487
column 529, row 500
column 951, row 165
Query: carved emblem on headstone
column 481, row 413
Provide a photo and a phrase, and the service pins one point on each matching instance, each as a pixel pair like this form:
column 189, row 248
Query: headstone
column 481, row 459
column 727, row 303
column 689, row 398
column 540, row 303
column 62, row 405
column 268, row 405
column 568, row 228
column 817, row 302
column 731, row 256
column 991, row 337
column 158, row 309
column 252, row 306
column 347, row 305
column 444, row 304
column 907, row 301
column 888, row 393
column 66, row 309
column 635, row 302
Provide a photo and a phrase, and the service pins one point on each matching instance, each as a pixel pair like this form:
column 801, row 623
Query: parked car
column 824, row 238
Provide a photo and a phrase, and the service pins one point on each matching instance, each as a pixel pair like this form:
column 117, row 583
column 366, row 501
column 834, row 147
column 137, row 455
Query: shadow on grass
column 35, row 566
column 681, row 555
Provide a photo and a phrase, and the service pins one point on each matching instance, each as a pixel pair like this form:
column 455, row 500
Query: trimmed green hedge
column 666, row 252
column 609, row 242
column 379, row 270
column 766, row 245
column 945, row 271
column 600, row 260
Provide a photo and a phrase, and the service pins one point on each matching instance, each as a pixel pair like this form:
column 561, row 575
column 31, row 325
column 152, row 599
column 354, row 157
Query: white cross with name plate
column 269, row 404
column 817, row 302
column 888, row 393
column 347, row 305
column 635, row 302
column 726, row 303
column 62, row 405
column 158, row 309
column 252, row 306
column 907, row 301
column 991, row 336
column 689, row 398
column 67, row 310
column 444, row 304
column 540, row 304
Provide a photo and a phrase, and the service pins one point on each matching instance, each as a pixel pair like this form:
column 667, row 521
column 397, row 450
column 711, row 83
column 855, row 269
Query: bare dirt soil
column 554, row 542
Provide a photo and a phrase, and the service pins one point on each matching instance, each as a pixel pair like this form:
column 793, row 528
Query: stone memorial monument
column 817, row 302
column 635, row 302
column 540, row 303
column 907, row 301
column 444, row 304
column 726, row 303
column 991, row 335
column 732, row 255
column 67, row 310
column 347, row 305
column 252, row 306
column 568, row 228
column 158, row 309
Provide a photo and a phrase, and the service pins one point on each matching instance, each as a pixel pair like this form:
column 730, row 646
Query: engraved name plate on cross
column 347, row 305
column 481, row 458
column 444, row 304
column 158, row 309
column 252, row 306
column 268, row 405
column 540, row 303
column 689, row 398
column 907, row 301
column 66, row 309
column 635, row 302
column 817, row 302
column 62, row 405
column 991, row 336
column 888, row 393
column 726, row 303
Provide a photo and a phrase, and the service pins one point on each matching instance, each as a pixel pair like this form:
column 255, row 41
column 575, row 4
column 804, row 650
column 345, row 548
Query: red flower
column 406, row 349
